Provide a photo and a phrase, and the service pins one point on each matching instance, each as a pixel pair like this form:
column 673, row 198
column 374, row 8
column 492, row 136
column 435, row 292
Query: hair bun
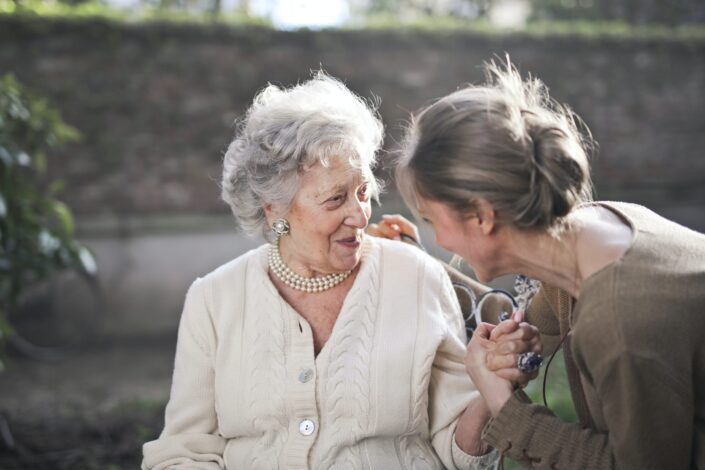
column 558, row 166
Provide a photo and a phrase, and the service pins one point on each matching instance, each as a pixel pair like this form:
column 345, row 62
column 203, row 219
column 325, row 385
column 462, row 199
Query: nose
column 359, row 214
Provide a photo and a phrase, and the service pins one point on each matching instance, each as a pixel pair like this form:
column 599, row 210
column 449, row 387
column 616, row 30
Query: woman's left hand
column 392, row 226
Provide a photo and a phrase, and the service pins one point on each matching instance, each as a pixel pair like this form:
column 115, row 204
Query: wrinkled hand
column 392, row 226
column 493, row 388
column 508, row 340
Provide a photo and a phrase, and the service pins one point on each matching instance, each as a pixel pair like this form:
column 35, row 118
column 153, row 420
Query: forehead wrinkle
column 351, row 177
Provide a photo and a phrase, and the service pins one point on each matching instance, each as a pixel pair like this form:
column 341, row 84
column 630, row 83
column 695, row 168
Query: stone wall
column 156, row 105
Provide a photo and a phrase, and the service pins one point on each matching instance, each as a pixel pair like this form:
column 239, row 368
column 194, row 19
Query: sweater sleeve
column 644, row 408
column 451, row 389
column 190, row 437
column 532, row 434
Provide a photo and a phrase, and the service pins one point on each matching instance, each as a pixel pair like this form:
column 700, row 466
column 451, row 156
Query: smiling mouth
column 350, row 241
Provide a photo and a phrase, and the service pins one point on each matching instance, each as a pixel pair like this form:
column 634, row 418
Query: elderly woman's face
column 328, row 218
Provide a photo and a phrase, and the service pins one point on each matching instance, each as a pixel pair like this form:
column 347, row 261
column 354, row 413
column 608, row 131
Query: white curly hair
column 288, row 130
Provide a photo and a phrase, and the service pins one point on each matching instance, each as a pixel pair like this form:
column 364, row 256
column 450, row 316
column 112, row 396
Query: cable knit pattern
column 385, row 392
column 266, row 373
column 347, row 393
column 415, row 445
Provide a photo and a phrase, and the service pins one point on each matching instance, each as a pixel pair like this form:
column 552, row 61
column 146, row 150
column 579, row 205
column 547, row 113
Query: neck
column 291, row 258
column 296, row 281
column 552, row 260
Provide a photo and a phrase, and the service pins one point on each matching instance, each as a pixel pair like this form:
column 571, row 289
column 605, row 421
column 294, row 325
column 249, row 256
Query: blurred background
column 114, row 116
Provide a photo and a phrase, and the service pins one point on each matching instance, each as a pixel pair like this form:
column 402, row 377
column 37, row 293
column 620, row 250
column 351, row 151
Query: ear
column 269, row 214
column 486, row 216
column 274, row 211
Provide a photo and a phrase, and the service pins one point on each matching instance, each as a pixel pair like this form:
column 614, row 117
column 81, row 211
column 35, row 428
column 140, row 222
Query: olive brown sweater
column 635, row 359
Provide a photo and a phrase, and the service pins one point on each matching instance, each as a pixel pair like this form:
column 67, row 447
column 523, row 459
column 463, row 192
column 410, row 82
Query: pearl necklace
column 295, row 281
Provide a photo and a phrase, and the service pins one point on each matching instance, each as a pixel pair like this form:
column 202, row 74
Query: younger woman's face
column 461, row 234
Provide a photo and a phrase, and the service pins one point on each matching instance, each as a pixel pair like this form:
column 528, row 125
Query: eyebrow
column 325, row 192
column 340, row 187
column 335, row 189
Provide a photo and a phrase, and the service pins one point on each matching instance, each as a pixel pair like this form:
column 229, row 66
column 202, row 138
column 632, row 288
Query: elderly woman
column 325, row 348
column 501, row 173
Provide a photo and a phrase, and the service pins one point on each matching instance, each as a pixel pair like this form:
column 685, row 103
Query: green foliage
column 36, row 229
column 146, row 11
column 664, row 12
column 549, row 18
column 557, row 390
column 643, row 12
column 543, row 29
column 54, row 8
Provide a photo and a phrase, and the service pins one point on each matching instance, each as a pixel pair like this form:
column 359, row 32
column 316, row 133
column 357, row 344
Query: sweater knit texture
column 385, row 392
column 635, row 360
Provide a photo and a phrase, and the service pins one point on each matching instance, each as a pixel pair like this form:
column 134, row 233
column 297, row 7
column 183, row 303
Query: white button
column 305, row 375
column 306, row 427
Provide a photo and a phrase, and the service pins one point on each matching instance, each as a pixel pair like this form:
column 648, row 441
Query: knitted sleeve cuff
column 473, row 462
column 513, row 416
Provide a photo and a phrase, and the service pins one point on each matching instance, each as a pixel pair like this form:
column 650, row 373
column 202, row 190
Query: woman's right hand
column 392, row 226
column 509, row 339
column 494, row 389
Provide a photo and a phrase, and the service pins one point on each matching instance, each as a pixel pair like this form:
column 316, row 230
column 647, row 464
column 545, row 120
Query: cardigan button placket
column 304, row 425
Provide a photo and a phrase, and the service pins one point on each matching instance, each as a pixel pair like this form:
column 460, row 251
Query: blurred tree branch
column 36, row 229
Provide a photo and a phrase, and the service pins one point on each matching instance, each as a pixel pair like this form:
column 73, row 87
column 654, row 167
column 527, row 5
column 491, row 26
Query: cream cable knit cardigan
column 384, row 393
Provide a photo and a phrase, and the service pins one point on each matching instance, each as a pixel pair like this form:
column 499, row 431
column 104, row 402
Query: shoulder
column 227, row 282
column 415, row 273
column 405, row 264
column 215, row 295
column 625, row 207
column 653, row 226
column 236, row 268
column 408, row 257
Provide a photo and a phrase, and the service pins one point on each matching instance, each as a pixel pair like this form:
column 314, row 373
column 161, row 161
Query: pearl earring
column 281, row 227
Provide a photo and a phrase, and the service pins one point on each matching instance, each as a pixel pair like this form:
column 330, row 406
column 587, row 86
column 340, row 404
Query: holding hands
column 493, row 355
column 509, row 341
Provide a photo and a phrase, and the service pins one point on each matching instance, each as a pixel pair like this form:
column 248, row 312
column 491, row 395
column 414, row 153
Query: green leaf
column 40, row 162
column 55, row 187
column 5, row 328
column 63, row 214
